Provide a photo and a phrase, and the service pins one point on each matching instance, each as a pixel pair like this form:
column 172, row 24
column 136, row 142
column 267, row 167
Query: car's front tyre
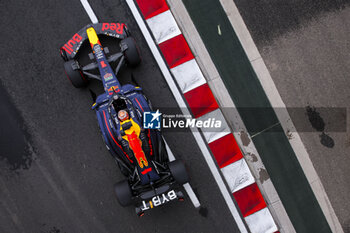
column 132, row 54
column 74, row 74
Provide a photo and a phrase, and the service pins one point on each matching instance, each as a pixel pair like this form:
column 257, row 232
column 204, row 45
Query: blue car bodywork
column 110, row 128
column 140, row 153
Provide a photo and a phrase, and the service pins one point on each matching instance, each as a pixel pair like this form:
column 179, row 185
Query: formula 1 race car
column 140, row 153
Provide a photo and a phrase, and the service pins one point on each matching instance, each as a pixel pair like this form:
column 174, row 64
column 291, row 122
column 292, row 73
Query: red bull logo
column 136, row 146
column 113, row 89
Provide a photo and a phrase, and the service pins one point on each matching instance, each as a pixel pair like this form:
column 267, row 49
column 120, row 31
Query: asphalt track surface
column 55, row 172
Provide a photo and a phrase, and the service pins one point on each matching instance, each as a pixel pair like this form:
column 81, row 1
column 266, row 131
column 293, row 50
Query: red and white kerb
column 203, row 105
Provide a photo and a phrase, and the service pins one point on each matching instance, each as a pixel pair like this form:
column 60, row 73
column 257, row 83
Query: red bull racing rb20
column 150, row 178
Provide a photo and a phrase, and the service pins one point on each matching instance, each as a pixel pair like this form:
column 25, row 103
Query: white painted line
column 202, row 145
column 238, row 175
column 170, row 153
column 283, row 116
column 192, row 195
column 89, row 11
column 163, row 26
column 261, row 222
column 188, row 75
column 186, row 186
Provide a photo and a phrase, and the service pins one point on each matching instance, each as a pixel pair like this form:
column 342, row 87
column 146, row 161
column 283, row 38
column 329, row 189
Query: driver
column 123, row 115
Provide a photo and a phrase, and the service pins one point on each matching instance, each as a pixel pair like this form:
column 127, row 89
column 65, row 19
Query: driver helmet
column 123, row 115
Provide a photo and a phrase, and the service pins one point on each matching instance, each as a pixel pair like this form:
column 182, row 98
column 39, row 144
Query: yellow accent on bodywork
column 135, row 127
column 91, row 33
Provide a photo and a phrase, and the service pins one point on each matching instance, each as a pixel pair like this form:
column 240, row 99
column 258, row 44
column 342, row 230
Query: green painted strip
column 246, row 92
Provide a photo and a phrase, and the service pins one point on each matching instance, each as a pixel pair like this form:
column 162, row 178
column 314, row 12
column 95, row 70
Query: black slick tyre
column 75, row 76
column 123, row 193
column 178, row 170
column 132, row 54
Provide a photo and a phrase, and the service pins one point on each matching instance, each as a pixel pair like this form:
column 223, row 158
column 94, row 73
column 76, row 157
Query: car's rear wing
column 71, row 48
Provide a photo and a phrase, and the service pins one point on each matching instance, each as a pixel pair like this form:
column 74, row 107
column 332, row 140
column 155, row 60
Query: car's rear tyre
column 132, row 54
column 75, row 76
column 123, row 193
column 178, row 170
